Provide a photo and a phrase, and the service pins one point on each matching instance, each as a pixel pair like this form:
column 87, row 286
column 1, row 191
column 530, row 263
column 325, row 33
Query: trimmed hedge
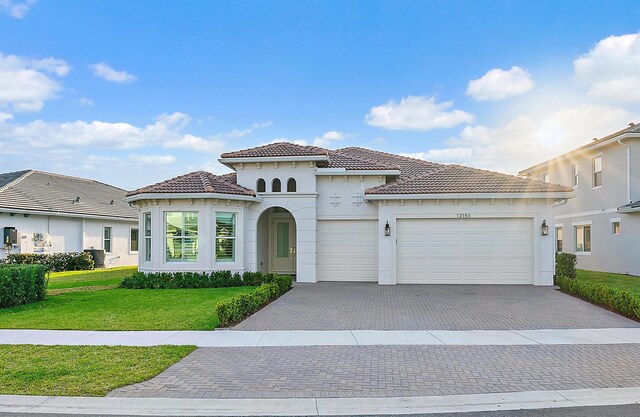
column 54, row 262
column 215, row 279
column 620, row 301
column 566, row 265
column 22, row 284
column 242, row 306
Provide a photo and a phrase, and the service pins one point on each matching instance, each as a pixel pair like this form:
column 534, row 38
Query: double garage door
column 464, row 251
column 430, row 251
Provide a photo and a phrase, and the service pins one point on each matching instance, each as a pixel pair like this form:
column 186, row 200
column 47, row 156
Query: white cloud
column 526, row 141
column 85, row 102
column 38, row 134
column 196, row 143
column 499, row 84
column 15, row 8
column 5, row 116
column 416, row 113
column 153, row 159
column 611, row 69
column 26, row 83
column 103, row 70
column 327, row 138
column 240, row 133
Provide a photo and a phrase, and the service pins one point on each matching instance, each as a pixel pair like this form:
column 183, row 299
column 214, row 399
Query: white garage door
column 467, row 251
column 347, row 250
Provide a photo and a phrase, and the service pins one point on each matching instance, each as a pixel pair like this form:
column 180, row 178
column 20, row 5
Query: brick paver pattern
column 369, row 306
column 382, row 371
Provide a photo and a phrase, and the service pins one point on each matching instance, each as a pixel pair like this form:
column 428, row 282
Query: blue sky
column 134, row 92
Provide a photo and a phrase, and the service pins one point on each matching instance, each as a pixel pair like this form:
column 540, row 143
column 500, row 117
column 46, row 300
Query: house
column 350, row 214
column 602, row 223
column 41, row 212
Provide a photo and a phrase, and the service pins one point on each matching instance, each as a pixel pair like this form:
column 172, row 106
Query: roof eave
column 344, row 171
column 582, row 149
column 176, row 196
column 244, row 160
column 462, row 196
column 65, row 214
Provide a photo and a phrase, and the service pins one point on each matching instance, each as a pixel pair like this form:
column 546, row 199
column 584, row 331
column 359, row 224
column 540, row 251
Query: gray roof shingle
column 33, row 190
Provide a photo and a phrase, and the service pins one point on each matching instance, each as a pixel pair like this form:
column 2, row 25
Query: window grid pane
column 134, row 240
column 181, row 235
column 225, row 237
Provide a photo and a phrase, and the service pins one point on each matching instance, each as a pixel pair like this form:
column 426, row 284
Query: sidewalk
column 319, row 406
column 228, row 338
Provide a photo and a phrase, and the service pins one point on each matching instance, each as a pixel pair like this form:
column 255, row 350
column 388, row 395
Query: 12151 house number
column 463, row 215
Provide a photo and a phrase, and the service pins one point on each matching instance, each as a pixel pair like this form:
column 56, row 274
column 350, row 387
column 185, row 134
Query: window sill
column 583, row 253
column 596, row 187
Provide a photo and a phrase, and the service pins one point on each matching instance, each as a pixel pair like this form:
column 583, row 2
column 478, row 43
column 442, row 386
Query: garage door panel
column 347, row 250
column 469, row 251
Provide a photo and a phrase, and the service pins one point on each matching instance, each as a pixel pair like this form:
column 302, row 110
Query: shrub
column 22, row 284
column 620, row 301
column 54, row 262
column 215, row 279
column 566, row 265
column 242, row 306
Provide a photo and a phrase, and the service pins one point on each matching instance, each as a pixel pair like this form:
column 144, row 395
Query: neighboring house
column 42, row 212
column 602, row 223
column 351, row 214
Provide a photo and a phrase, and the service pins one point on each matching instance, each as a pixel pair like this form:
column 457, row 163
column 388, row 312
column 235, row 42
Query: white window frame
column 545, row 177
column 559, row 227
column 131, row 229
column 109, row 239
column 593, row 172
column 147, row 249
column 575, row 168
column 233, row 238
column 582, row 225
column 182, row 237
column 614, row 221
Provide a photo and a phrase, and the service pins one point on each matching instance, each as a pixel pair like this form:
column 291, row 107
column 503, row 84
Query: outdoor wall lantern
column 545, row 228
column 387, row 230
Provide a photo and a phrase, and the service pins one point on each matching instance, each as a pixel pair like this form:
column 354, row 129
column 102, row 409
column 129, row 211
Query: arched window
column 276, row 186
column 291, row 185
column 261, row 186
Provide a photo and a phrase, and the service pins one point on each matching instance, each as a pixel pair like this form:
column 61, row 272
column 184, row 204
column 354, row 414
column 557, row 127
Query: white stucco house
column 350, row 214
column 601, row 225
column 41, row 212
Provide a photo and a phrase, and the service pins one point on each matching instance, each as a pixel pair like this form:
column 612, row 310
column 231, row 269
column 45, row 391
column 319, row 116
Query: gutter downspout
column 628, row 169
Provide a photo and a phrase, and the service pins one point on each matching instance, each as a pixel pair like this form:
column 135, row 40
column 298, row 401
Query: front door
column 283, row 246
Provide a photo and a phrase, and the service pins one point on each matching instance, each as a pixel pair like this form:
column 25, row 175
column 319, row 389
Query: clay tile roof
column 339, row 159
column 409, row 167
column 277, row 149
column 460, row 179
column 197, row 182
column 39, row 191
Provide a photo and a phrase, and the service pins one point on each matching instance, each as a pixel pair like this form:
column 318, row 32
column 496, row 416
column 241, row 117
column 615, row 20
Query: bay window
column 181, row 236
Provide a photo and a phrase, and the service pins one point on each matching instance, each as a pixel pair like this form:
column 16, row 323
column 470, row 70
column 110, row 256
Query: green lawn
column 121, row 309
column 81, row 370
column 624, row 282
column 88, row 300
column 60, row 282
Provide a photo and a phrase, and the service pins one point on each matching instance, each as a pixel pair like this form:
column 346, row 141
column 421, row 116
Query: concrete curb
column 319, row 406
column 232, row 338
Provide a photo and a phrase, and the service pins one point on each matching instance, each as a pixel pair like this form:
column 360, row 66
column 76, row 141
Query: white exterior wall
column 70, row 234
column 537, row 210
column 609, row 253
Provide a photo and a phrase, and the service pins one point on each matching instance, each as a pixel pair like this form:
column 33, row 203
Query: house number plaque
column 463, row 215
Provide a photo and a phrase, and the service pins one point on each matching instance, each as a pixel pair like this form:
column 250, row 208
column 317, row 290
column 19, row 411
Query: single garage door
column 347, row 250
column 464, row 251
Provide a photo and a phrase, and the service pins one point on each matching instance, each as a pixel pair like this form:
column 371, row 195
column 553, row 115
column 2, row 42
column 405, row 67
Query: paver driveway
column 369, row 306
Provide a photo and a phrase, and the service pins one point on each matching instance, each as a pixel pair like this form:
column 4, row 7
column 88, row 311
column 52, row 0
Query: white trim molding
column 469, row 196
column 587, row 213
column 187, row 196
column 245, row 160
column 344, row 171
column 583, row 223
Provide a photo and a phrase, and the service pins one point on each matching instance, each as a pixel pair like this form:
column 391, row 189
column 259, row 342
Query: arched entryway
column 276, row 241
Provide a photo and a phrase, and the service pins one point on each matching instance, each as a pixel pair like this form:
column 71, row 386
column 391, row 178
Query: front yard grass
column 81, row 370
column 122, row 309
column 97, row 279
column 622, row 282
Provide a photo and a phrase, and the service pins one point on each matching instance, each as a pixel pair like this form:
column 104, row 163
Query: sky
column 135, row 92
